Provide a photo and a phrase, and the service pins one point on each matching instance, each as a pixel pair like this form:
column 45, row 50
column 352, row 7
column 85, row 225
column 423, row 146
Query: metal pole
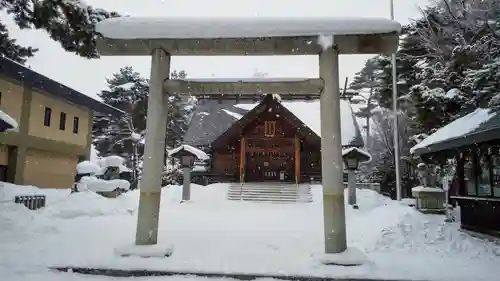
column 156, row 124
column 331, row 154
column 395, row 117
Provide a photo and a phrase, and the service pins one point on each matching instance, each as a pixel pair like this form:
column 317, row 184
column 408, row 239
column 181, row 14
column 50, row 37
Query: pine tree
column 71, row 23
column 10, row 49
column 484, row 83
column 366, row 81
column 128, row 91
column 179, row 110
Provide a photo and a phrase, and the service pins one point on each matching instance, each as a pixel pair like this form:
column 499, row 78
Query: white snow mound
column 113, row 161
column 99, row 185
column 87, row 167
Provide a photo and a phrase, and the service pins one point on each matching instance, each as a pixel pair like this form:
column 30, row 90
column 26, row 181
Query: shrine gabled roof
column 213, row 117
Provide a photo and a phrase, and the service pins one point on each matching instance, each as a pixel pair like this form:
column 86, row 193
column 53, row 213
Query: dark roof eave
column 108, row 110
column 476, row 138
column 33, row 79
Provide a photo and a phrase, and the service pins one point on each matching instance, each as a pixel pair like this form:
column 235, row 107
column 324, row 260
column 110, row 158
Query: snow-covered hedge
column 95, row 184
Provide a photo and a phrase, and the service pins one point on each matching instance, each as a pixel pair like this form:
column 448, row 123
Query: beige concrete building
column 55, row 128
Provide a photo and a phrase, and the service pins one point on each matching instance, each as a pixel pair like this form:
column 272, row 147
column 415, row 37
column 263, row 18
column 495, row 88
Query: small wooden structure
column 472, row 143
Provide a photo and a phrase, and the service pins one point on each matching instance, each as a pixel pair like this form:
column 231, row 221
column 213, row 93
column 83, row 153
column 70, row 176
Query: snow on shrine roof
column 466, row 130
column 248, row 27
column 212, row 118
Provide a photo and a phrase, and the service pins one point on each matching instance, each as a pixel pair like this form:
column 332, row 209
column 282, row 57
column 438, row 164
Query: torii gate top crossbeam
column 245, row 86
column 245, row 36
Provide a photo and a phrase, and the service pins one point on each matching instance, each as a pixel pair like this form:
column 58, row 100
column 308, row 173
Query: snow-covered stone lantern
column 352, row 157
column 187, row 154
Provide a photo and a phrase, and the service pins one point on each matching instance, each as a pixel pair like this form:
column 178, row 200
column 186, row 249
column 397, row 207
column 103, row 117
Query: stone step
column 273, row 200
column 270, row 192
column 267, row 188
column 277, row 198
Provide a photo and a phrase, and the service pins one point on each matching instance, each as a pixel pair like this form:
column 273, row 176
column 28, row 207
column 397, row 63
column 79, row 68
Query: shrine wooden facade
column 267, row 143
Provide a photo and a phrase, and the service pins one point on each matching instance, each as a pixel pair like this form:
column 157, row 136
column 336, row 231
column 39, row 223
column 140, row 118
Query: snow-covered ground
column 210, row 233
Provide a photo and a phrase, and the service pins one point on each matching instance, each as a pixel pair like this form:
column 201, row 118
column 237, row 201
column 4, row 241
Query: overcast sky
column 88, row 76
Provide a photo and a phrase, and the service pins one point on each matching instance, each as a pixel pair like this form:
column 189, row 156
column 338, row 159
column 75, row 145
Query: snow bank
column 99, row 185
column 241, row 27
column 197, row 152
column 211, row 233
column 8, row 191
column 90, row 204
column 210, row 194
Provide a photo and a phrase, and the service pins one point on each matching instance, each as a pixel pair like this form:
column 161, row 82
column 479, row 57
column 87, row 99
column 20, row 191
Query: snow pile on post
column 113, row 161
column 241, row 27
column 136, row 137
column 87, row 167
column 421, row 188
column 457, row 128
column 325, row 41
column 198, row 153
column 350, row 257
column 358, row 150
column 145, row 251
column 9, row 121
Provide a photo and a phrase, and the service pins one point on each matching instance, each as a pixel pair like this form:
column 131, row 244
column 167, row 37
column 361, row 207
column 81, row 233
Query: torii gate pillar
column 331, row 153
column 154, row 151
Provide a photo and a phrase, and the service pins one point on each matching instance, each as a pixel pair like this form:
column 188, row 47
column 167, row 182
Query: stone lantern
column 352, row 157
column 187, row 155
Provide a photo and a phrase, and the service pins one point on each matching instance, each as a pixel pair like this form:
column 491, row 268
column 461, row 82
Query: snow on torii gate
column 162, row 38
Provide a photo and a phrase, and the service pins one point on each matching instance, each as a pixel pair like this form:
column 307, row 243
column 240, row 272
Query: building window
column 484, row 177
column 47, row 116
column 469, row 175
column 495, row 169
column 62, row 121
column 269, row 128
column 75, row 125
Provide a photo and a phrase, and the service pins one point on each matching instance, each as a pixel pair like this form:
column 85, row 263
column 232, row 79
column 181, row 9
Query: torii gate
column 162, row 38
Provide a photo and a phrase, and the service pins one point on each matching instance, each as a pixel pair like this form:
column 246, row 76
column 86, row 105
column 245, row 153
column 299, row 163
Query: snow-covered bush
column 107, row 175
column 95, row 184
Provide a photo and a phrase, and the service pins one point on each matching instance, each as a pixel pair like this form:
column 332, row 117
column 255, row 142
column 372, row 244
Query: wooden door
column 270, row 166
